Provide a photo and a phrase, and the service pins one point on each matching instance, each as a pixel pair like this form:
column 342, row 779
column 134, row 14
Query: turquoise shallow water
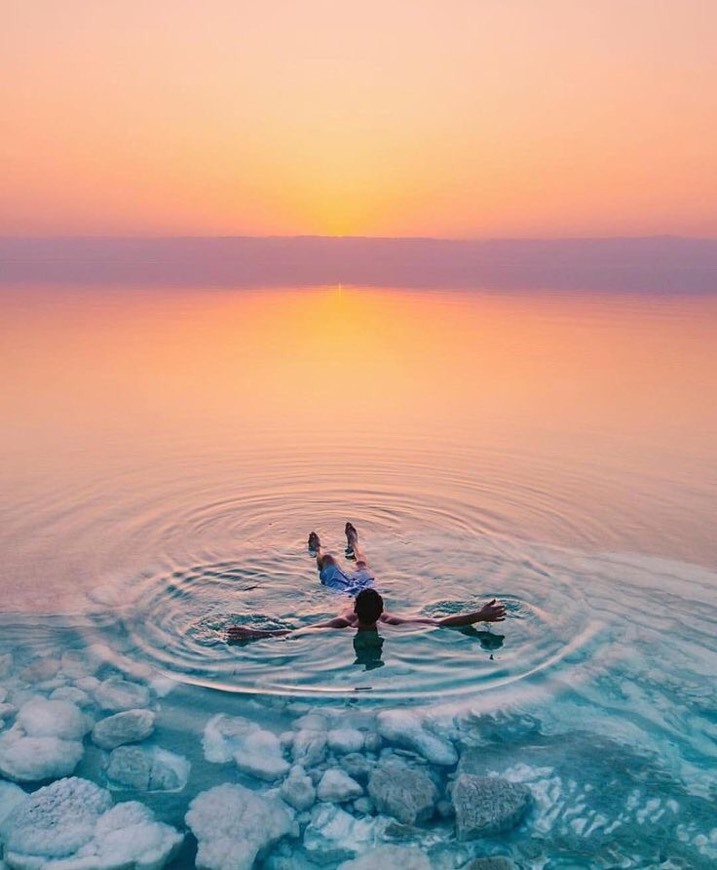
column 167, row 455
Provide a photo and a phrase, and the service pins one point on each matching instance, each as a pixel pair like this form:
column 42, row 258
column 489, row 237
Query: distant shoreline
column 661, row 264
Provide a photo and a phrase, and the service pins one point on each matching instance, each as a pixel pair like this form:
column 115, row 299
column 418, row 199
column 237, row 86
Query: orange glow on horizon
column 394, row 119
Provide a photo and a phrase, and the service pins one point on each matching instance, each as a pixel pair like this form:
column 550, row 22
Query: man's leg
column 353, row 548
column 330, row 573
column 322, row 559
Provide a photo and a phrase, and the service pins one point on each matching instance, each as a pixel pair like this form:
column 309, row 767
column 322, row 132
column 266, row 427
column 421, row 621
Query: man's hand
column 492, row 612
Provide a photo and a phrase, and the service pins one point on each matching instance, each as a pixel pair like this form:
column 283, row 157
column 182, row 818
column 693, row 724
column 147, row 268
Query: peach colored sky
column 453, row 118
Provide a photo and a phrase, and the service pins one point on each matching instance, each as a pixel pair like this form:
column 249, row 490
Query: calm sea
column 164, row 455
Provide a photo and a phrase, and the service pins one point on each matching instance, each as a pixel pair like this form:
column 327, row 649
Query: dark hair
column 369, row 605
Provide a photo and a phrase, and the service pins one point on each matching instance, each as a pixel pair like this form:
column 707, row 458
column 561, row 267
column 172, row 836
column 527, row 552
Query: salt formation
column 338, row 787
column 298, row 790
column 45, row 742
column 41, row 718
column 407, row 728
column 345, row 740
column 335, row 835
column 10, row 796
column 32, row 759
column 235, row 825
column 130, row 726
column 408, row 794
column 116, row 694
column 487, row 805
column 71, row 694
column 147, row 769
column 73, row 824
column 40, row 670
column 254, row 750
column 357, row 765
column 309, row 746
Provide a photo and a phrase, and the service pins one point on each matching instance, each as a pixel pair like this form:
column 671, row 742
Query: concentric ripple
column 225, row 543
column 176, row 621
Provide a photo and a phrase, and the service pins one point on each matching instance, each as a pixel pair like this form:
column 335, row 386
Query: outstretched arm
column 243, row 632
column 490, row 612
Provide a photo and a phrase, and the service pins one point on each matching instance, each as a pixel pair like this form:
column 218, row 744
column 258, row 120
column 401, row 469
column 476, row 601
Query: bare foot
column 351, row 540
column 314, row 543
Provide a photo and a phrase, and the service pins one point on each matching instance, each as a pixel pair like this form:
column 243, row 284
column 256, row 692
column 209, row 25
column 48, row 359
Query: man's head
column 368, row 606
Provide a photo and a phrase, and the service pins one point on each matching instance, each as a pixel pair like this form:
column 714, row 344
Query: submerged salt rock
column 406, row 793
column 130, row 726
column 42, row 718
column 262, row 756
column 32, row 759
column 298, row 789
column 334, row 835
column 309, row 746
column 389, row 856
column 45, row 741
column 233, row 825
column 40, row 670
column 253, row 749
column 6, row 663
column 170, row 771
column 223, row 735
column 56, row 820
column 87, row 684
column 344, row 740
column 117, row 694
column 128, row 836
column 11, row 796
column 72, row 694
column 363, row 806
column 406, row 728
column 357, row 766
column 311, row 722
column 147, row 769
column 20, row 694
column 372, row 741
column 487, row 805
column 129, row 767
column 337, row 786
column 72, row 824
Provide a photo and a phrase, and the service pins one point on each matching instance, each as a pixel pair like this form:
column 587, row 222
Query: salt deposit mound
column 73, row 824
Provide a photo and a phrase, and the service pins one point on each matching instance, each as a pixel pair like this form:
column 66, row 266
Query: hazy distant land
column 662, row 264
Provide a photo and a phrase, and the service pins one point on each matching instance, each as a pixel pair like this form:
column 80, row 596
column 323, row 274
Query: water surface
column 165, row 454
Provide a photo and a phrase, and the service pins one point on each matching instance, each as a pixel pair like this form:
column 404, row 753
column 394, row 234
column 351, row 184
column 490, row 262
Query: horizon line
column 303, row 236
column 626, row 263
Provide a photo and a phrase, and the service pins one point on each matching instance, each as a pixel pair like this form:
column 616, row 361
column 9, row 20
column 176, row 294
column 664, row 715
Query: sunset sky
column 444, row 118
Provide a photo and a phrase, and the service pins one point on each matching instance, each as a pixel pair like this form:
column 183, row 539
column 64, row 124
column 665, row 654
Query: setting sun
column 459, row 119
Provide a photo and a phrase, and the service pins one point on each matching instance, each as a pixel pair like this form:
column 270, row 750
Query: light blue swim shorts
column 338, row 580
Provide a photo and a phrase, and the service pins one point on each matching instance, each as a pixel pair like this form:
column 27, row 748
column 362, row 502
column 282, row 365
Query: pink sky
column 448, row 118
